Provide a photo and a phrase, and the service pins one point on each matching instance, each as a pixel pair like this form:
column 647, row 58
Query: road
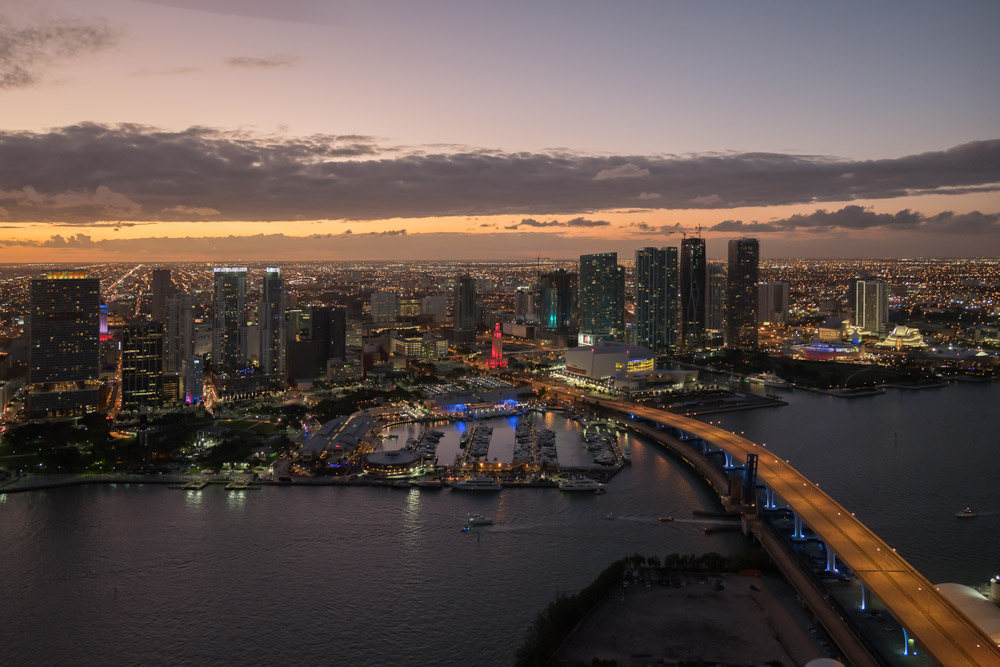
column 937, row 625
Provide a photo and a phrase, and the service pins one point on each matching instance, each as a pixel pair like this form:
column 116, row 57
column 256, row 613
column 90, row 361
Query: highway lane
column 937, row 625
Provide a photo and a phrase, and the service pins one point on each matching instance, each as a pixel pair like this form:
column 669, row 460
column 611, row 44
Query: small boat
column 967, row 513
column 582, row 484
column 480, row 520
column 666, row 518
column 610, row 516
column 477, row 484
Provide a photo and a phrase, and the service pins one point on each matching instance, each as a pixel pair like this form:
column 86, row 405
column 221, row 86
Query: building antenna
column 698, row 229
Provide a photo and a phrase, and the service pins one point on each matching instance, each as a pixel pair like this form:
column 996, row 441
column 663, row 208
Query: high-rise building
column 772, row 302
column 178, row 340
column 741, row 294
column 526, row 304
column 228, row 351
column 163, row 288
column 409, row 308
column 464, row 310
column 715, row 298
column 328, row 331
column 194, row 379
column 142, row 365
column 694, row 281
column 871, row 313
column 602, row 294
column 656, row 309
column 435, row 308
column 271, row 320
column 557, row 301
column 385, row 307
column 64, row 344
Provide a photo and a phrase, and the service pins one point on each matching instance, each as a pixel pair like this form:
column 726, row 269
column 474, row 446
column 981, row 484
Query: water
column 904, row 462
column 358, row 576
column 369, row 576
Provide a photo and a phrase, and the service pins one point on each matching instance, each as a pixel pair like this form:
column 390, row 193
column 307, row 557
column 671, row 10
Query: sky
column 221, row 130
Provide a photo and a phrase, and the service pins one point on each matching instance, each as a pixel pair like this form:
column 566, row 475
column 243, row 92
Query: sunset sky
column 312, row 129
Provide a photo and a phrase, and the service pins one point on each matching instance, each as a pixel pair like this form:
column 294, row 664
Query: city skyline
column 270, row 138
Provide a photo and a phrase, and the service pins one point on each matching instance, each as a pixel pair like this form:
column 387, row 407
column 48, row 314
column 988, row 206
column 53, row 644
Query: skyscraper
column 693, row 279
column 741, row 294
column 163, row 288
column 229, row 318
column 871, row 312
column 178, row 339
column 142, row 365
column 656, row 308
column 602, row 294
column 526, row 304
column 715, row 298
column 271, row 320
column 464, row 310
column 772, row 302
column 64, row 344
column 557, row 301
column 384, row 307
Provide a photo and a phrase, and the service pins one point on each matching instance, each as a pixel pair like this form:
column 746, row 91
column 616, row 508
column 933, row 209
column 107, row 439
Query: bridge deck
column 937, row 625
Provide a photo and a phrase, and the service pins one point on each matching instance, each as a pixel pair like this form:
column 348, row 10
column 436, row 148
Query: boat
column 480, row 520
column 428, row 484
column 767, row 379
column 582, row 484
column 610, row 516
column 666, row 518
column 479, row 484
column 967, row 513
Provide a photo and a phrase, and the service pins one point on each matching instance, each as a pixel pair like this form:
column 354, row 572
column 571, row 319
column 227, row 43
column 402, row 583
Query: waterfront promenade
column 939, row 627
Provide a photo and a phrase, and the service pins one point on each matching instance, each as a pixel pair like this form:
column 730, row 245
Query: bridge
column 938, row 626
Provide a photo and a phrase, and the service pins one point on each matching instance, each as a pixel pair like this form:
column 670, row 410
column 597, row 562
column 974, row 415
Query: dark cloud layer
column 87, row 172
column 858, row 218
column 27, row 53
column 575, row 222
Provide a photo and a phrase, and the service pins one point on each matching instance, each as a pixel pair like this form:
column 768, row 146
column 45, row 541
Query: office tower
column 385, row 307
column 694, row 279
column 355, row 334
column 228, row 352
column 297, row 324
column 715, row 298
column 271, row 320
column 435, row 308
column 741, row 294
column 163, row 288
column 194, row 379
column 852, row 290
column 602, row 294
column 656, row 308
column 63, row 344
column 772, row 302
column 871, row 313
column 526, row 304
column 557, row 301
column 338, row 333
column 464, row 310
column 409, row 308
column 142, row 365
column 178, row 339
column 328, row 332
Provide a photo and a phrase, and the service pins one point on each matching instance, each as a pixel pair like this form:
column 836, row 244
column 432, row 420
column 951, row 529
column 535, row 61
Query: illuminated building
column 601, row 294
column 496, row 354
column 871, row 303
column 609, row 359
column 903, row 338
column 63, row 331
column 464, row 310
column 142, row 365
column 178, row 340
column 557, row 302
column 772, row 302
column 715, row 298
column 741, row 294
column 693, row 279
column 271, row 320
column 526, row 304
column 163, row 288
column 409, row 308
column 229, row 318
column 656, row 307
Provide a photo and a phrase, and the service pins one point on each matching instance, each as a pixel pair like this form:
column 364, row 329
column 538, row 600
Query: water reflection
column 193, row 499
column 236, row 499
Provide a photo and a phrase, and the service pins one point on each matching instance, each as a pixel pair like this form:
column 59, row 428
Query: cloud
column 627, row 170
column 170, row 71
column 252, row 177
column 646, row 229
column 853, row 218
column 102, row 201
column 27, row 53
column 575, row 222
column 201, row 211
column 649, row 196
column 276, row 61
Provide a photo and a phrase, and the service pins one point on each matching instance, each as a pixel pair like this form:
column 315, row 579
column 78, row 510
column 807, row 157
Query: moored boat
column 477, row 484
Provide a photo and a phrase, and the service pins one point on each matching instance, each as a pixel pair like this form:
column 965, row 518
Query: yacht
column 967, row 513
column 582, row 484
column 767, row 379
column 477, row 484
column 480, row 520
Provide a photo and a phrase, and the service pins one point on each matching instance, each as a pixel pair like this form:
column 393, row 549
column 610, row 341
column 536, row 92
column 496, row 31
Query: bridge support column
column 769, row 503
column 831, row 560
column 797, row 535
column 866, row 598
